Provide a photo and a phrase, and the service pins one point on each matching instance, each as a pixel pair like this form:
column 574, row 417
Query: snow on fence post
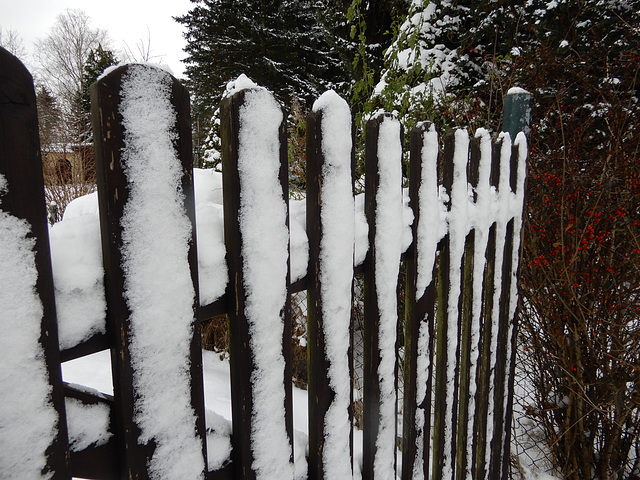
column 383, row 209
column 467, row 326
column 142, row 133
column 479, row 173
column 499, row 321
column 331, row 232
column 255, row 190
column 444, row 392
column 33, row 432
column 517, row 175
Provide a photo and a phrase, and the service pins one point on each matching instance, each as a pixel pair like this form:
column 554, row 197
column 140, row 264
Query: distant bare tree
column 11, row 41
column 62, row 55
column 62, row 58
column 143, row 54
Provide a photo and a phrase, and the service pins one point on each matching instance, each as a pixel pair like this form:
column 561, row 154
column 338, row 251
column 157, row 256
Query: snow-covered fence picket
column 31, row 397
column 456, row 228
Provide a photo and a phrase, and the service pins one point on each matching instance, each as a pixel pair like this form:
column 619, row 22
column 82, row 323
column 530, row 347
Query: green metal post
column 517, row 112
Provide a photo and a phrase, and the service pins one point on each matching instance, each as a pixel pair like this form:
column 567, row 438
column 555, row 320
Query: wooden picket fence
column 457, row 337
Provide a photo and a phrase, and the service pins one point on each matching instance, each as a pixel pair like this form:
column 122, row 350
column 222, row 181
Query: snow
column 76, row 258
column 160, row 66
column 28, row 420
column 457, row 221
column 212, row 267
column 337, row 216
column 388, row 238
column 218, row 440
column 429, row 232
column 265, row 251
column 241, row 83
column 480, row 211
column 517, row 91
column 88, row 424
column 156, row 233
column 361, row 232
column 299, row 243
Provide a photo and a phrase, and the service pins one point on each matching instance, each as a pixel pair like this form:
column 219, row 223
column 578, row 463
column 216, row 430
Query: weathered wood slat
column 419, row 315
column 320, row 393
column 95, row 344
column 241, row 345
column 374, row 353
column 464, row 362
column 113, row 194
column 467, row 329
column 21, row 167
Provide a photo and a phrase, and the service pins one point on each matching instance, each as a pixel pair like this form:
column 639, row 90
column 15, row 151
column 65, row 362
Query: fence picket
column 330, row 228
column 144, row 447
column 22, row 205
column 420, row 305
column 383, row 204
column 251, row 437
column 465, row 345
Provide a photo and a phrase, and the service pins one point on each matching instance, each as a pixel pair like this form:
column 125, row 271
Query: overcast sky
column 130, row 21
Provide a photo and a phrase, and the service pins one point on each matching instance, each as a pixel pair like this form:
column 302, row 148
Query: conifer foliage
column 280, row 44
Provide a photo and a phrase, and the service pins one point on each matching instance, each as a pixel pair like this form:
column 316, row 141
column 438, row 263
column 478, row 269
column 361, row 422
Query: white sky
column 124, row 20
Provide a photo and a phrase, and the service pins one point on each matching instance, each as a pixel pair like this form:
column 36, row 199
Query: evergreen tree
column 280, row 44
column 371, row 27
column 98, row 60
column 48, row 117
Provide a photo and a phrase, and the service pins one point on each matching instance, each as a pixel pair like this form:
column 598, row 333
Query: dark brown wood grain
column 240, row 343
column 21, row 166
column 113, row 193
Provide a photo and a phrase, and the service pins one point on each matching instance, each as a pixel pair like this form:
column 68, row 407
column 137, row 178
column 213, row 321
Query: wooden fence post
column 419, row 310
column 244, row 341
column 466, row 368
column 22, row 201
column 138, row 444
column 330, row 375
column 379, row 335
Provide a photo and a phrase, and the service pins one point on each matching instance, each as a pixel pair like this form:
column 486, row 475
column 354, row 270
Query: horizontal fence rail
column 444, row 360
